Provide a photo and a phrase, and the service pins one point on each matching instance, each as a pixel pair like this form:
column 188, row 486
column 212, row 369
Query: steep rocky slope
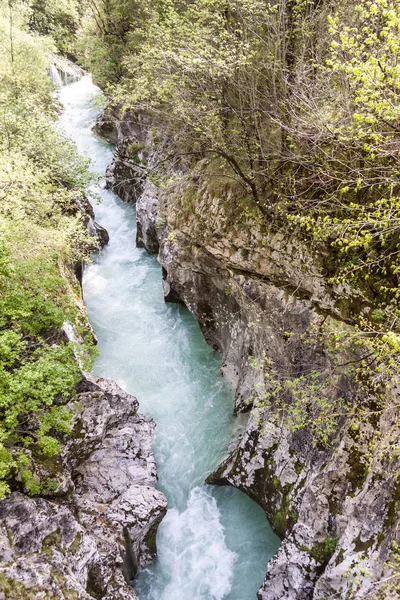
column 256, row 291
column 87, row 539
column 87, row 535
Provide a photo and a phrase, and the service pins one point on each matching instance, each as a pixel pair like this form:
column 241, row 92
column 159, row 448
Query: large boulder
column 88, row 538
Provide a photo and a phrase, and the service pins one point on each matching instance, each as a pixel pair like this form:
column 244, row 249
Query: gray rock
column 256, row 290
column 131, row 172
column 304, row 491
column 89, row 537
column 148, row 229
column 98, row 232
column 83, row 206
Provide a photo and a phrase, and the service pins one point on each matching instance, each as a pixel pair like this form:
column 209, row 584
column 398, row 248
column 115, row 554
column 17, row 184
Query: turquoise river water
column 215, row 542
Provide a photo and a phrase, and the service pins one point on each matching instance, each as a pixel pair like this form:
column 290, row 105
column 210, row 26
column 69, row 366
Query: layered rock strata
column 256, row 291
column 87, row 538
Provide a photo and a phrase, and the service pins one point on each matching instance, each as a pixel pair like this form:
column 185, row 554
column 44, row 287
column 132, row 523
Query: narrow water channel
column 215, row 542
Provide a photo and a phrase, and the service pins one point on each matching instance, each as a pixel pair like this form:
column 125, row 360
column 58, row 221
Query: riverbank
column 213, row 543
column 82, row 515
column 259, row 295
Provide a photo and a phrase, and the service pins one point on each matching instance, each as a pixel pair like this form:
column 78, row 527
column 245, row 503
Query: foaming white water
column 214, row 542
column 55, row 76
column 192, row 553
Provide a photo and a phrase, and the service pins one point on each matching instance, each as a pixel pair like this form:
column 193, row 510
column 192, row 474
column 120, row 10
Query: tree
column 42, row 237
column 298, row 101
column 108, row 27
column 58, row 19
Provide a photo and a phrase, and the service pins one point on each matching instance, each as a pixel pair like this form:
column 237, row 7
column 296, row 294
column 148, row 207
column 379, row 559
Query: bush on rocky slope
column 42, row 237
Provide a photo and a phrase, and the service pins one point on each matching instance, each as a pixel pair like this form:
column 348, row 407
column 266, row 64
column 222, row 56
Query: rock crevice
column 88, row 539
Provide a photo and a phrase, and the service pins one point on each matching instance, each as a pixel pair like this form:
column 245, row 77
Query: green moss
column 52, row 541
column 393, row 507
column 323, row 551
column 189, row 199
column 284, row 518
column 298, row 467
column 74, row 547
column 380, row 539
column 362, row 546
column 16, row 590
column 279, row 522
column 339, row 557
column 358, row 471
column 151, row 541
column 132, row 150
column 276, row 483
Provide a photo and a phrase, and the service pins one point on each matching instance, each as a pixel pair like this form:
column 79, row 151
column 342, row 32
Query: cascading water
column 62, row 71
column 214, row 543
column 55, row 76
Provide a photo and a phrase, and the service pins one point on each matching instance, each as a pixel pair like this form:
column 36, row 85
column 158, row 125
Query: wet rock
column 99, row 232
column 133, row 169
column 148, row 227
column 320, row 501
column 43, row 549
column 115, row 485
column 106, row 126
column 83, row 207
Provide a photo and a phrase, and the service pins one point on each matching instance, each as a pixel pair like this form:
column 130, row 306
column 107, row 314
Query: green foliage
column 350, row 384
column 309, row 400
column 58, row 19
column 361, row 222
column 108, row 28
column 299, row 98
column 323, row 551
column 42, row 237
column 299, row 101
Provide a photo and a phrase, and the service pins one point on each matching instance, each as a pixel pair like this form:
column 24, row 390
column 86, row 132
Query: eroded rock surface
column 333, row 512
column 88, row 538
column 256, row 291
column 134, row 166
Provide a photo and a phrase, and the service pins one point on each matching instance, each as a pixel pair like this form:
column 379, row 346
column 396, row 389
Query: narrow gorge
column 199, row 300
column 257, row 293
column 212, row 543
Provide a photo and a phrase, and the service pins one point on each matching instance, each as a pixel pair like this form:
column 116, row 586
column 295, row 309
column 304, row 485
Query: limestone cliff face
column 87, row 539
column 255, row 291
column 335, row 518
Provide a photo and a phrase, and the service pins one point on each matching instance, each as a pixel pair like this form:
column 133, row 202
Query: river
column 215, row 542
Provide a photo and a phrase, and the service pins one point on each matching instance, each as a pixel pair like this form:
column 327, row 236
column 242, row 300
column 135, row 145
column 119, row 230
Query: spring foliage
column 300, row 100
column 42, row 237
column 299, row 97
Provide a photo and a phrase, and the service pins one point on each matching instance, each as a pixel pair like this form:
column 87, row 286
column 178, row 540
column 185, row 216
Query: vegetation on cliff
column 299, row 101
column 42, row 238
column 299, row 97
column 294, row 106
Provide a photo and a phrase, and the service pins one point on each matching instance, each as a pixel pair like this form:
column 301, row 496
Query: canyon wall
column 258, row 292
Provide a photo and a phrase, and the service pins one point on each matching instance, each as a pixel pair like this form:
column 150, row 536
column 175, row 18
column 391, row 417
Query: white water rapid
column 215, row 542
